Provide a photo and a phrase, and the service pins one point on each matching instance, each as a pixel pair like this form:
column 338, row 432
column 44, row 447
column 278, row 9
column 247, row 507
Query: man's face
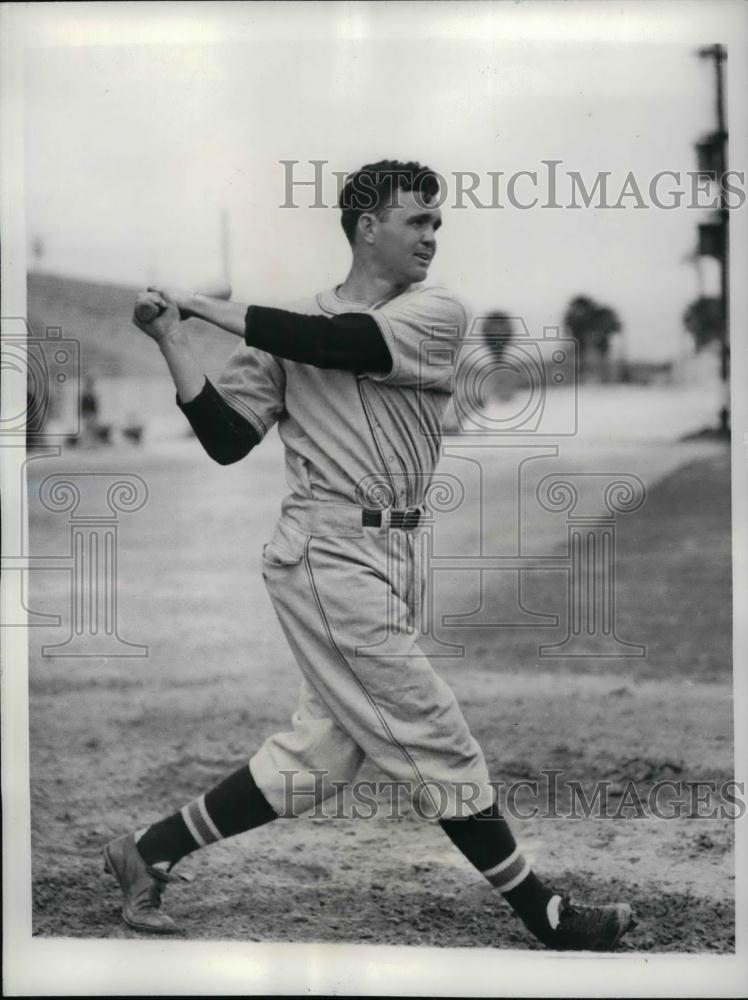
column 405, row 241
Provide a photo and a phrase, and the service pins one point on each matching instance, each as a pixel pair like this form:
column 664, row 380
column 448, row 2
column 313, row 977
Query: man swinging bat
column 357, row 401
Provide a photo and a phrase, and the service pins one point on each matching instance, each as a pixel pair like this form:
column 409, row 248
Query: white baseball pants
column 335, row 586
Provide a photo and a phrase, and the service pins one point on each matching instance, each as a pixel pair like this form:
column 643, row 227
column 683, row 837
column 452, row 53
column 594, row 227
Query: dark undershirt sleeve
column 224, row 433
column 349, row 342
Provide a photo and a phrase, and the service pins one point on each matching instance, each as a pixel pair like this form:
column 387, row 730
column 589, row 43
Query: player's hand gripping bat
column 147, row 309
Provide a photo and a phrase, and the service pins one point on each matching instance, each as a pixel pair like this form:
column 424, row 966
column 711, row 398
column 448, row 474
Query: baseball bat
column 146, row 310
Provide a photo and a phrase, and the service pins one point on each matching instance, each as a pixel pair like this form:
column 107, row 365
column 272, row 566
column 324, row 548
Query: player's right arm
column 225, row 435
column 347, row 342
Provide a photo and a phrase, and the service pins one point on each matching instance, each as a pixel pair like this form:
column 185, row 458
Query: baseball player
column 358, row 404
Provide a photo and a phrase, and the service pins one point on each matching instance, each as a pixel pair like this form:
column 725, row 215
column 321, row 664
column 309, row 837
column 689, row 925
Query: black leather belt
column 406, row 519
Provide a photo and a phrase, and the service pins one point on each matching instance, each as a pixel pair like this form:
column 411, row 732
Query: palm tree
column 579, row 323
column 592, row 326
column 497, row 329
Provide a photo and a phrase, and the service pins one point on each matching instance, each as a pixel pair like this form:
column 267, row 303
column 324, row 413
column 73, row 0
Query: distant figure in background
column 93, row 432
column 132, row 429
column 89, row 410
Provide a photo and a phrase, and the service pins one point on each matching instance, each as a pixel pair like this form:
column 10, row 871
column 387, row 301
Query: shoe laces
column 581, row 917
column 149, row 896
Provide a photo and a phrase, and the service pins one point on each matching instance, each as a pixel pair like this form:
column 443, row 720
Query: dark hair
column 374, row 188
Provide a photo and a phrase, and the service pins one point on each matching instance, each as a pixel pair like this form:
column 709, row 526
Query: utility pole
column 713, row 159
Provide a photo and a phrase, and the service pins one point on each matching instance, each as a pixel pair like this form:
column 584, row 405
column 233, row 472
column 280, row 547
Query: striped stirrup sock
column 487, row 842
column 508, row 874
column 233, row 806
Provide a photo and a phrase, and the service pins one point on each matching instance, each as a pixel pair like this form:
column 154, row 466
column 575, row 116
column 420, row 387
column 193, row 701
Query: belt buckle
column 407, row 518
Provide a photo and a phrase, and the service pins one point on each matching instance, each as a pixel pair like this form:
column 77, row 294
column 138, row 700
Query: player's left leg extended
column 142, row 861
column 320, row 758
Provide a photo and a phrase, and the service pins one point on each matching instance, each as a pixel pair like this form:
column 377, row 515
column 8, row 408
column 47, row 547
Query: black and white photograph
column 373, row 465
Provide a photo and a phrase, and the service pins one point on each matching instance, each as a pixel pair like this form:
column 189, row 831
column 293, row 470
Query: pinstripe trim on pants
column 380, row 716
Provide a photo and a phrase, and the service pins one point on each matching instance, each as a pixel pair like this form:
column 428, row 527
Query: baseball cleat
column 141, row 886
column 590, row 928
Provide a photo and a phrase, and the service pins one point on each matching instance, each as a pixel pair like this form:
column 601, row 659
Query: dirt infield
column 115, row 744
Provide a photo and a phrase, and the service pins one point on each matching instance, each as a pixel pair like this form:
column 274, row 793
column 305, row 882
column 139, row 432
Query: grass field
column 116, row 743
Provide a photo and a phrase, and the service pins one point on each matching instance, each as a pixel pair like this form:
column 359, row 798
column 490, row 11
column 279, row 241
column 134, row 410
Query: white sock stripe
column 185, row 810
column 513, row 883
column 199, row 823
column 208, row 820
column 490, row 872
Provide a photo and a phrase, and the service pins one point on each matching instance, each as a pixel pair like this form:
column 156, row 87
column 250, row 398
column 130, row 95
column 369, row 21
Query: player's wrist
column 173, row 338
column 195, row 305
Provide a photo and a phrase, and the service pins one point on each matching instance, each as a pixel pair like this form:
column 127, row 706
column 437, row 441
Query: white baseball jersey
column 341, row 429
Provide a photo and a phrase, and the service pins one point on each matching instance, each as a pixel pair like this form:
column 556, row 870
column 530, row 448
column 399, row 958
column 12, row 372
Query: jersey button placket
column 401, row 492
